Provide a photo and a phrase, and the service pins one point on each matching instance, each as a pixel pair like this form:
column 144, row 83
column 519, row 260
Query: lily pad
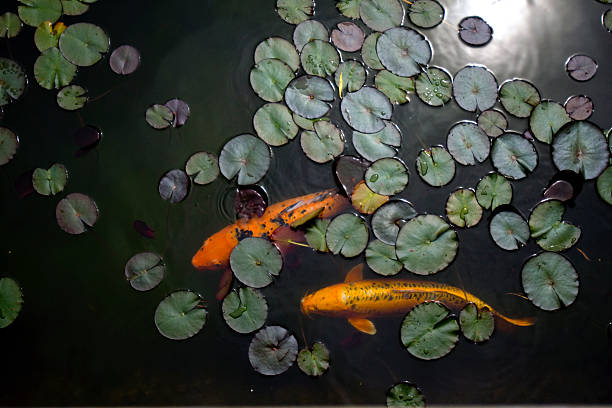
column 374, row 146
column 475, row 88
column 34, row 12
column 368, row 51
column 347, row 234
column 467, row 143
column 604, row 185
column 579, row 107
column 349, row 171
column 145, row 271
column 475, row 31
column 518, row 97
column 559, row 190
column 426, row 244
column 314, row 362
column 303, row 123
column 581, row 147
column 159, row 116
column 429, row 331
column 387, row 176
column 245, row 156
column 8, row 145
column 181, row 111
column 269, row 79
column 425, row 13
column 76, row 212
column 546, row 119
column 245, row 310
column 273, row 350
column 606, row 20
column 435, row 166
column 581, row 67
column 124, row 60
column 324, row 144
column 203, row 167
column 476, row 325
column 365, row 200
column 250, row 203
column 396, row 88
column 315, row 235
column 493, row 122
column 348, row 8
column 549, row 230
column 382, row 259
column 83, row 44
column 353, row 76
column 255, row 261
column 319, row 58
column 75, row 7
column 180, row 315
column 550, row 281
column 389, row 218
column 52, row 70
column 509, row 230
column 433, row 86
column 10, row 25
column 348, row 37
column 462, row 208
column 405, row 394
column 307, row 31
column 493, row 190
column 307, row 96
column 50, row 182
column 366, row 110
column 403, row 51
column 72, row 97
column 279, row 48
column 381, row 15
column 513, row 156
column 274, row 124
column 174, row 186
column 295, row 11
column 47, row 35
column 11, row 301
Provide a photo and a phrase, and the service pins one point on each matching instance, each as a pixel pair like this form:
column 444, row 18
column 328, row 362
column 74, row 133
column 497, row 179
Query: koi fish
column 216, row 250
column 357, row 299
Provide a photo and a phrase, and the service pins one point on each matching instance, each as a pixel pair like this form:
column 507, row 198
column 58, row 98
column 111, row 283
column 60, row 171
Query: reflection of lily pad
column 50, row 181
column 274, row 124
column 203, row 166
column 174, row 186
column 604, row 185
column 83, row 44
column 273, row 350
column 347, row 234
column 319, row 58
column 467, row 143
column 509, row 230
column 52, row 70
column 550, row 281
column 425, row 13
column 255, row 261
column 76, row 212
column 546, row 119
column 308, row 30
column 368, row 51
column 72, row 97
column 279, row 48
column 475, row 88
column 366, row 110
column 388, row 219
column 382, row 259
column 514, row 156
column 374, row 146
column 403, row 51
column 405, row 395
column 124, row 60
column 8, row 145
column 159, row 116
column 462, row 208
column 518, row 97
column 10, row 25
column 324, row 144
column 365, row 200
column 581, row 147
column 433, row 86
column 314, row 362
column 34, row 12
column 381, row 15
column 396, row 88
column 493, row 190
column 295, row 11
column 245, row 156
column 493, row 122
column 315, row 234
column 11, row 300
column 387, row 176
column 145, row 271
column 435, row 166
column 269, row 79
column 475, row 31
column 353, row 76
column 245, row 310
column 180, row 315
column 549, row 230
column 476, row 325
column 307, row 96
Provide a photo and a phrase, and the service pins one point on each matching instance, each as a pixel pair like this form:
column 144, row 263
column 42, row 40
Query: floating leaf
column 387, row 176
column 306, row 31
column 87, row 138
column 381, row 15
column 159, row 116
column 429, row 331
column 174, row 186
column 8, row 145
column 425, row 13
column 518, row 97
column 509, row 230
column 493, row 122
column 581, row 147
column 382, row 259
column 245, row 156
column 349, row 8
column 349, row 171
column 405, row 395
column 426, row 244
column 315, row 362
column 295, row 11
column 388, row 219
column 83, row 44
column 245, row 310
column 347, row 234
column 303, row 123
column 181, row 111
column 273, row 350
column 47, row 35
column 559, row 190
column 462, row 208
column 143, row 229
column 50, row 182
column 435, row 166
column 604, row 185
column 395, row 87
column 145, row 271
column 368, row 51
column 579, row 107
column 180, row 315
column 124, row 60
column 467, row 143
column 203, row 167
column 475, row 88
column 348, row 37
column 319, row 58
column 10, row 25
column 324, row 144
column 550, row 281
column 75, row 7
column 548, row 229
column 249, row 203
column 366, row 110
column 433, row 86
column 476, row 325
column 307, row 96
column 72, row 97
column 546, row 119
column 353, row 76
column 34, row 12
column 475, row 31
column 581, row 67
column 76, row 212
column 52, row 70
column 513, row 156
column 606, row 20
column 403, row 51
column 315, row 235
column 374, row 146
column 255, row 261
column 279, row 48
column 11, row 301
column 493, row 190
column 274, row 124
column 365, row 200
column 269, row 79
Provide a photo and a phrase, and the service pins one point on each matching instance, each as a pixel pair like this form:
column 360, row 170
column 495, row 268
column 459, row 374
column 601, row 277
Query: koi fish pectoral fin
column 363, row 325
column 355, row 274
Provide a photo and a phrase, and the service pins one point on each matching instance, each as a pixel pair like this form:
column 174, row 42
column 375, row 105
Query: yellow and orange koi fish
column 216, row 250
column 357, row 299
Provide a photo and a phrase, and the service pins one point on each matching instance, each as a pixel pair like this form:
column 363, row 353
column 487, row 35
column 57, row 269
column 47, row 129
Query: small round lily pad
column 12, row 81
column 476, row 325
column 308, row 96
column 159, row 116
column 245, row 156
column 365, row 200
column 8, row 145
column 353, row 76
column 368, row 51
column 581, row 147
column 546, row 119
column 124, row 60
column 34, row 12
column 181, row 111
column 606, row 20
column 83, row 44
column 366, row 110
column 581, row 67
column 475, row 88
column 76, row 212
column 319, row 58
column 274, row 124
column 255, row 261
column 389, row 218
column 387, row 176
column 324, row 144
column 434, row 86
column 579, row 107
column 295, row 11
column 180, row 315
column 405, row 394
column 72, row 97
column 548, row 228
column 11, row 301
column 145, row 271
column 604, row 185
column 279, row 48
column 425, row 13
column 462, row 208
column 492, row 122
column 374, row 146
column 381, row 15
column 550, row 281
column 382, row 259
column 245, row 310
column 348, row 36
column 403, row 51
column 52, row 70
column 347, row 234
column 174, row 186
column 203, row 167
column 518, row 97
column 468, row 143
column 315, row 235
column 50, row 182
column 273, row 350
column 513, row 156
column 475, row 31
column 269, row 79
column 435, row 166
column 493, row 190
column 10, row 25
column 509, row 230
column 308, row 30
column 314, row 362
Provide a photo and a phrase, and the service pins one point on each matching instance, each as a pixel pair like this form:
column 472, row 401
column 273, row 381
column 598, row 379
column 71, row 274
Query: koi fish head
column 326, row 301
column 215, row 251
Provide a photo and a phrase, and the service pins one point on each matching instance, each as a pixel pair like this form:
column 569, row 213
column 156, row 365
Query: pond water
column 85, row 337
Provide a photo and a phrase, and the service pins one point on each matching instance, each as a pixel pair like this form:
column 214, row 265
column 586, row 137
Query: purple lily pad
column 23, row 184
column 249, row 202
column 579, row 107
column 143, row 229
column 124, row 60
column 581, row 67
column 76, row 212
column 349, row 171
column 174, row 186
column 181, row 111
column 87, row 138
column 348, row 37
column 559, row 190
column 475, row 31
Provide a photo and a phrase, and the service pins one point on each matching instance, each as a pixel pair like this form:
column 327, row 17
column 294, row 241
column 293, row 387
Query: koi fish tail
column 526, row 321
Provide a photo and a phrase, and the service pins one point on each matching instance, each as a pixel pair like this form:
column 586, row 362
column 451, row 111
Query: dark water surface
column 85, row 337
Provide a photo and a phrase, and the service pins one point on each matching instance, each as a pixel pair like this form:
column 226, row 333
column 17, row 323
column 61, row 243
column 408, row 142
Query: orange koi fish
column 216, row 250
column 358, row 299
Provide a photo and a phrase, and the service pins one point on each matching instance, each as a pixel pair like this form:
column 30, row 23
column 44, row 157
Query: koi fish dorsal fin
column 363, row 325
column 355, row 274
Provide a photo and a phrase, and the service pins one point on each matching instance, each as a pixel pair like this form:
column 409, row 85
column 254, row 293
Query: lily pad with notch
column 548, row 228
column 353, row 76
column 366, row 110
column 255, row 262
column 303, row 123
column 72, row 97
column 368, row 51
column 434, row 86
column 83, row 44
column 347, row 234
column 462, row 208
column 279, row 48
column 509, row 230
column 159, row 116
column 269, row 79
column 180, row 315
column 315, row 235
column 181, row 111
column 579, row 107
column 581, row 67
column 144, row 271
column 75, row 7
column 349, row 171
column 475, row 88
column 273, row 350
column 365, row 200
column 493, row 122
column 308, row 96
column 435, row 166
column 405, row 394
column 389, row 218
column 9, row 142
column 375, row 146
column 513, row 156
column 381, row 15
column 476, row 325
column 546, row 119
column 314, row 362
column 324, row 144
column 52, row 70
column 387, row 176
column 10, row 25
column 274, row 125
column 124, row 60
column 11, row 301
column 51, row 181
column 12, row 81
column 381, row 258
column 550, row 281
column 47, row 35
column 34, row 12
column 295, row 11
column 319, row 58
column 203, row 167
column 425, row 13
column 518, row 97
column 76, row 212
column 245, row 310
column 396, row 88
column 307, row 31
column 493, row 190
column 174, row 186
column 348, row 8
column 604, row 185
column 403, row 51
column 468, row 143
column 245, row 156
column 475, row 31
column 348, row 36
column 581, row 147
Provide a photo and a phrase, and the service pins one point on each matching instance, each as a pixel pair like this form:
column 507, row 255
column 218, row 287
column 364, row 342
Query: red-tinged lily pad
column 174, row 186
column 579, row 107
column 475, row 31
column 348, row 37
column 249, row 203
column 76, row 212
column 181, row 111
column 87, row 138
column 273, row 350
column 286, row 238
column 581, row 67
column 560, row 190
column 349, row 171
column 143, row 229
column 125, row 60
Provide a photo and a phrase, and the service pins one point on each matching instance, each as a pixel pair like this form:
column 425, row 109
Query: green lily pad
column 550, row 281
column 255, row 261
column 314, row 362
column 388, row 219
column 403, row 51
column 380, row 15
column 405, row 394
column 382, row 259
column 434, row 86
column 348, row 8
column 476, row 325
column 493, row 190
column 306, row 124
column 34, row 12
column 315, row 235
column 549, row 230
column 307, row 96
column 83, row 44
column 72, row 97
column 245, row 310
column 467, row 143
column 509, row 230
column 75, row 7
column 47, row 35
column 353, row 76
column 9, row 142
column 279, row 48
column 435, row 166
column 204, row 166
column 11, row 301
column 12, row 81
column 581, row 147
column 273, row 350
column 324, row 144
column 50, row 182
column 366, row 110
column 475, row 88
column 295, row 11
column 274, row 124
column 180, row 315
column 514, row 156
column 546, row 119
column 365, row 200
column 493, row 122
column 347, row 234
column 76, row 212
column 387, row 176
column 374, row 146
column 396, row 88
column 159, row 116
column 269, row 79
column 145, row 271
column 606, row 20
column 518, row 97
column 307, row 31
column 319, row 58
column 52, row 70
column 10, row 25
column 368, row 51
column 245, row 156
column 426, row 244
column 429, row 331
column 604, row 185
column 425, row 13
column 462, row 208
